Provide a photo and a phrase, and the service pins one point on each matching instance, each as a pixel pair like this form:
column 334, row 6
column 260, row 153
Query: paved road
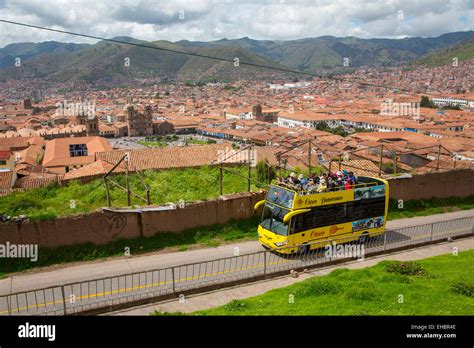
column 160, row 281
column 221, row 297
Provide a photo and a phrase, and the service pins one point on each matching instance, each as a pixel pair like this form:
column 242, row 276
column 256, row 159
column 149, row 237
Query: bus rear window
column 280, row 196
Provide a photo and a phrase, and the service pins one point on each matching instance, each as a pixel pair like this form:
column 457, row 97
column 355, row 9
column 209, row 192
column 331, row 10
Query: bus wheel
column 364, row 238
column 303, row 249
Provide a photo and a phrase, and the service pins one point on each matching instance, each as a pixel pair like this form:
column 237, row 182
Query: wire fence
column 107, row 293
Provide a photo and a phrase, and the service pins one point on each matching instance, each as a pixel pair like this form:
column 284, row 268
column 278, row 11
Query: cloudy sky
column 207, row 20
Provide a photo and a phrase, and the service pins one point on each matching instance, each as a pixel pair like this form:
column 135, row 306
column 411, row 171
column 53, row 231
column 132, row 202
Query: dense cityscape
column 340, row 115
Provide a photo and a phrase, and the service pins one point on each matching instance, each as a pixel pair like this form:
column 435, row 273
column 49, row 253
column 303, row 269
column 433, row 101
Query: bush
column 363, row 294
column 405, row 268
column 319, row 287
column 235, row 305
column 463, row 288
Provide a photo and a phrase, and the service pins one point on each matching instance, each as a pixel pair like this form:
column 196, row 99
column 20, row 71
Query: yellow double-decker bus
column 297, row 219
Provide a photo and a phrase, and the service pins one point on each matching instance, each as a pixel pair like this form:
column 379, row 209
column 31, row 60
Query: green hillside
column 212, row 68
column 105, row 60
column 463, row 51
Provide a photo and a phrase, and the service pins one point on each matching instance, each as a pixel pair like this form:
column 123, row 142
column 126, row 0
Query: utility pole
column 127, row 182
column 381, row 160
column 437, row 161
column 309, row 158
column 107, row 190
column 279, row 166
column 220, row 179
column 249, row 166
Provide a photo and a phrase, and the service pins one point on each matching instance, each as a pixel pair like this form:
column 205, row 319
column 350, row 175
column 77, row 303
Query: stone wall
column 458, row 183
column 103, row 227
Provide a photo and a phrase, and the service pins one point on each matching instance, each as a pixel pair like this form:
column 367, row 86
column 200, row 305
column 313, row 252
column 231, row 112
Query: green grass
column 192, row 141
column 173, row 185
column 424, row 207
column 197, row 237
column 152, row 143
column 440, row 285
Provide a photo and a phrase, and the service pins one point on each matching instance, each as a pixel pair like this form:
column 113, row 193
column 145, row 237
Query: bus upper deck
column 296, row 196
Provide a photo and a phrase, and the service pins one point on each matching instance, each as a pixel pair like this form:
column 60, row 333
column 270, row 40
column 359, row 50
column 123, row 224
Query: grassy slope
column 369, row 291
column 166, row 186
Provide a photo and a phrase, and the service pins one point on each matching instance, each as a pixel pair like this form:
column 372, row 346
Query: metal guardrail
column 101, row 295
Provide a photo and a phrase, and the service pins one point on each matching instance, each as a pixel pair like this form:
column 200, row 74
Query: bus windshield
column 272, row 219
column 280, row 196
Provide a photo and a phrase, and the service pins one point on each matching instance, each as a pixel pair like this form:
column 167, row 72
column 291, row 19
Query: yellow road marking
column 141, row 286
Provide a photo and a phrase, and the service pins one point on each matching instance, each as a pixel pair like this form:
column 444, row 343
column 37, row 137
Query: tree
column 426, row 102
column 322, row 126
column 265, row 172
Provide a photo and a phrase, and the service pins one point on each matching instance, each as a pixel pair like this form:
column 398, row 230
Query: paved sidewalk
column 221, row 297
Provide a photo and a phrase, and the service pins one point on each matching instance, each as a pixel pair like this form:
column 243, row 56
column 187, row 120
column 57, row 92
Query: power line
column 204, row 56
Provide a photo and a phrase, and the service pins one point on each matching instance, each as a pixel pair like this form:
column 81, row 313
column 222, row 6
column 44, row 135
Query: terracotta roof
column 6, row 178
column 29, row 183
column 5, row 155
column 31, row 155
column 168, row 157
column 57, row 150
column 98, row 167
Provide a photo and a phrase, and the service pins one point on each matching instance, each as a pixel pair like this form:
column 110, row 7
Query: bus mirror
column 258, row 204
column 288, row 216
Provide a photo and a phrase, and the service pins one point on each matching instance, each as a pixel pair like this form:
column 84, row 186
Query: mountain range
column 108, row 60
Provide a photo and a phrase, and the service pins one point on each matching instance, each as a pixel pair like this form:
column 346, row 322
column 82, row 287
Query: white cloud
column 216, row 19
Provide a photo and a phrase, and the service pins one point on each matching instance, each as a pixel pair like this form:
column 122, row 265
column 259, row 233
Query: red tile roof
column 6, row 180
column 5, row 155
column 57, row 151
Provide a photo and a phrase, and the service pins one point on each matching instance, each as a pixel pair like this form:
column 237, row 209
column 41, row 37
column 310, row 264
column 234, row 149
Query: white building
column 306, row 119
column 445, row 101
column 233, row 114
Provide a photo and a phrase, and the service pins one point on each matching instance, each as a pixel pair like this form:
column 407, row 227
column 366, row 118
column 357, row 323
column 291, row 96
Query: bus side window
column 293, row 225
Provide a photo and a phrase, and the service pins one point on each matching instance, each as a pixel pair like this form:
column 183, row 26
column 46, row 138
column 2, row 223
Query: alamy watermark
column 390, row 108
column 229, row 155
column 342, row 251
column 82, row 108
column 20, row 251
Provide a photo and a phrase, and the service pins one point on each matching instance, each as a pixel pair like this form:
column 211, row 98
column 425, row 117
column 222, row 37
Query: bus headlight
column 282, row 243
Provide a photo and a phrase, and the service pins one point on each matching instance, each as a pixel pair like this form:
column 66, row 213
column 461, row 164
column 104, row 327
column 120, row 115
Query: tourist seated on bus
column 322, row 186
column 303, row 181
column 348, row 185
column 352, row 177
column 312, row 186
column 282, row 181
column 293, row 179
column 335, row 181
